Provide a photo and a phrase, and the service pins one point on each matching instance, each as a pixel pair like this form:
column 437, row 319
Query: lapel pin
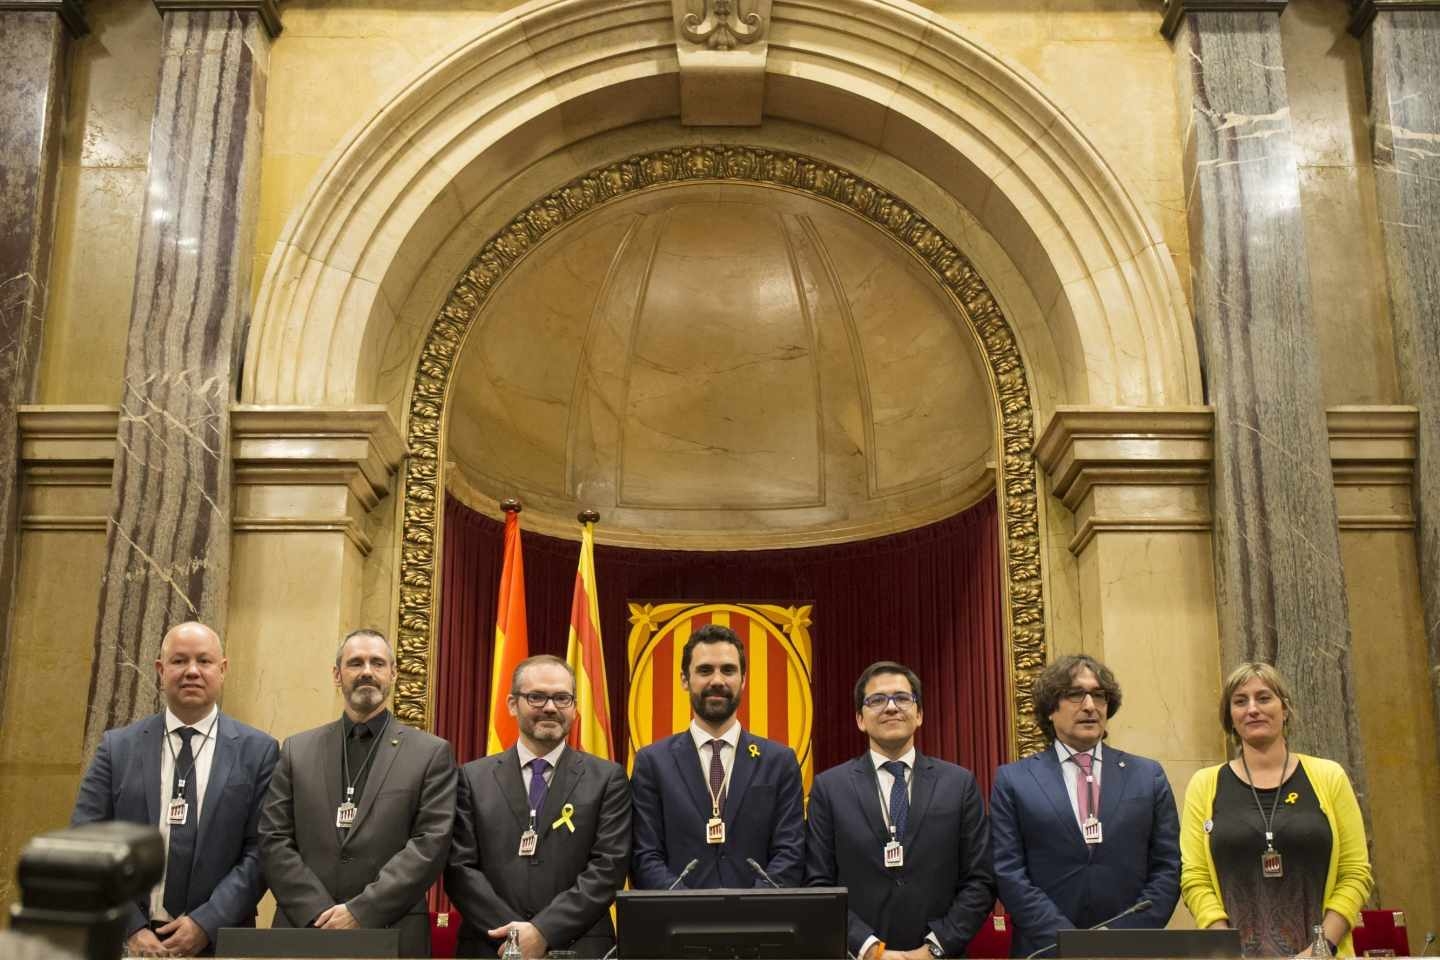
column 396, row 743
column 754, row 750
column 1122, row 763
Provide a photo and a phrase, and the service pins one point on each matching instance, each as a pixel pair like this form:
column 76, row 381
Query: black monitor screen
column 805, row 923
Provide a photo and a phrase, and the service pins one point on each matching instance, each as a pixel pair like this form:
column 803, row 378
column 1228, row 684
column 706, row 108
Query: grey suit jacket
column 382, row 867
column 567, row 887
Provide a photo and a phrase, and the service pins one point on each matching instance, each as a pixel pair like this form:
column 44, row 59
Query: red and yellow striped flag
column 512, row 644
column 585, row 654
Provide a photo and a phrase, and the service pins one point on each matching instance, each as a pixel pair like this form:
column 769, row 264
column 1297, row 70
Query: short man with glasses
column 1082, row 831
column 906, row 833
column 713, row 793
column 542, row 830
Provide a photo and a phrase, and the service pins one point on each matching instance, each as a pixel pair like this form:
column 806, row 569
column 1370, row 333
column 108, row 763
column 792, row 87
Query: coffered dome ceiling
column 722, row 364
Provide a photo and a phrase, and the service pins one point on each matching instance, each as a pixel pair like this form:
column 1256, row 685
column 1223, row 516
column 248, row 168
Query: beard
column 365, row 695
column 714, row 712
column 548, row 732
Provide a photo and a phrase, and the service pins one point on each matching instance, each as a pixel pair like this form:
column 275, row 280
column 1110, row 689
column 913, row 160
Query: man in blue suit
column 199, row 776
column 904, row 832
column 715, row 793
column 1082, row 830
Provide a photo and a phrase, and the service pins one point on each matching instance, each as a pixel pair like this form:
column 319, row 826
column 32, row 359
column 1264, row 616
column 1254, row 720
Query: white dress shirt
column 202, row 747
column 1071, row 770
column 527, row 772
column 730, row 742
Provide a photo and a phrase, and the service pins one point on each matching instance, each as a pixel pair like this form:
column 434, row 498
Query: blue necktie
column 899, row 797
column 538, row 786
column 182, row 836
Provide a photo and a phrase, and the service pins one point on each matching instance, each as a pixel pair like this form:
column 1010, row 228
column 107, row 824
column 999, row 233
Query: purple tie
column 717, row 773
column 1086, row 790
column 538, row 786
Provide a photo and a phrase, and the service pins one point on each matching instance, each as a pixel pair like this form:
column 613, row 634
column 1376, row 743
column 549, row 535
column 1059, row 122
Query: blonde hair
column 1243, row 674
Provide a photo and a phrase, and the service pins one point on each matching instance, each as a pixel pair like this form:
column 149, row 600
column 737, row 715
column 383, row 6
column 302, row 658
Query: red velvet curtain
column 930, row 598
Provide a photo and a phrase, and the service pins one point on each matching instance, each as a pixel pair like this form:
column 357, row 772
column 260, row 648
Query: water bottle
column 512, row 947
column 1319, row 946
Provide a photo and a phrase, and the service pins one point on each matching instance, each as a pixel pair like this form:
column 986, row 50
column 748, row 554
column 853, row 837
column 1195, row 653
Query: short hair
column 191, row 623
column 880, row 667
column 1058, row 677
column 364, row 632
column 1266, row 674
column 711, row 633
column 539, row 660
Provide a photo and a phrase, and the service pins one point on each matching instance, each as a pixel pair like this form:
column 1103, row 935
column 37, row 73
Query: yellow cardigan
column 1347, row 882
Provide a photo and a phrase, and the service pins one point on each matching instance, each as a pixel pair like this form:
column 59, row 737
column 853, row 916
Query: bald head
column 191, row 670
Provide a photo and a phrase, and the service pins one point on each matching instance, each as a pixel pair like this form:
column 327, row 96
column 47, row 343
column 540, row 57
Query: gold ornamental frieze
column 1020, row 530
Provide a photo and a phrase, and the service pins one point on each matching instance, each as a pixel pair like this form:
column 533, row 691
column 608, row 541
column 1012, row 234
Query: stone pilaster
column 34, row 41
column 1279, row 581
column 1401, row 45
column 169, row 527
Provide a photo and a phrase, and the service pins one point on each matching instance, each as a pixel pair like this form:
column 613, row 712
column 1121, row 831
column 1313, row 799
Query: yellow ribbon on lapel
column 754, row 750
column 565, row 814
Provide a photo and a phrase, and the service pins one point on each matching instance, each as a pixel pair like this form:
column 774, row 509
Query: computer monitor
column 803, row 923
column 306, row 942
column 1145, row 944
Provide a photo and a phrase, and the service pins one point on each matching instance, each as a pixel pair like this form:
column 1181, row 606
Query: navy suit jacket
column 762, row 813
column 123, row 783
column 1050, row 879
column 945, row 886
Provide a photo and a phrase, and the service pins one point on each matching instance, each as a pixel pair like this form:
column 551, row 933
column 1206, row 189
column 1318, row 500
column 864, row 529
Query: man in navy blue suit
column 1082, row 830
column 715, row 793
column 199, row 776
column 904, row 832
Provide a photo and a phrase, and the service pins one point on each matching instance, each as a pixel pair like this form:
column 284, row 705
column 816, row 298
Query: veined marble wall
column 1113, row 537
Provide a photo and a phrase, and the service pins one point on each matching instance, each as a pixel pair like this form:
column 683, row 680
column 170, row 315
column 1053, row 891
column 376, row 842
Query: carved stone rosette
column 1024, row 602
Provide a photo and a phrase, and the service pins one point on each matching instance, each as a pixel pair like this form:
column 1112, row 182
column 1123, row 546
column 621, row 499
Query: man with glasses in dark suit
column 542, row 831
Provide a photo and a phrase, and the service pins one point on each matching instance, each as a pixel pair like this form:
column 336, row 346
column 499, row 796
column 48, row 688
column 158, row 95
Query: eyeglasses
column 538, row 700
column 902, row 700
column 1077, row 696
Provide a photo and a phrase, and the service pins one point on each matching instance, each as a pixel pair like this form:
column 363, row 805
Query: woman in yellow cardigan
column 1272, row 842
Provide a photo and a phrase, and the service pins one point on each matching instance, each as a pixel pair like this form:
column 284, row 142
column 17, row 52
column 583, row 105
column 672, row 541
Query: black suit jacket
column 946, row 885
column 566, row 888
column 123, row 783
column 762, row 814
column 382, row 867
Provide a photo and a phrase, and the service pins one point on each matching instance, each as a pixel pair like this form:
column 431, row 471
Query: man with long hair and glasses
column 1081, row 831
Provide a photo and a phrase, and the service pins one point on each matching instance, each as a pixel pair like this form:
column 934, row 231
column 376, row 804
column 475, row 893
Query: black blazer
column 762, row 814
column 566, row 888
column 946, row 886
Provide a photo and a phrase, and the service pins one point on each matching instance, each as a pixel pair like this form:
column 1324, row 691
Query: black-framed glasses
column 538, row 700
column 1077, row 696
column 902, row 700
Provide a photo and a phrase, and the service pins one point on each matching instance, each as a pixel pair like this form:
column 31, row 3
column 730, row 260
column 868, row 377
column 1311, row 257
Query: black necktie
column 182, row 835
column 899, row 797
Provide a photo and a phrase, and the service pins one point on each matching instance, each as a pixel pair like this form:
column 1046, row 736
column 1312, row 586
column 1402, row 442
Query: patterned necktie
column 899, row 797
column 182, row 835
column 1086, row 789
column 538, row 786
column 717, row 773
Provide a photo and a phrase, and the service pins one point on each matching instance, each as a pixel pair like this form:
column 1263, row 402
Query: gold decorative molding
column 1020, row 529
column 1120, row 469
column 1372, row 454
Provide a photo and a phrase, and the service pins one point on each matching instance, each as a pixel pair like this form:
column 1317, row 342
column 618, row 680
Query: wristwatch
column 935, row 950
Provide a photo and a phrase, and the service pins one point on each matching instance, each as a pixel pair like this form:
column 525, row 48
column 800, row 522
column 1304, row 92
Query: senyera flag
column 512, row 643
column 592, row 731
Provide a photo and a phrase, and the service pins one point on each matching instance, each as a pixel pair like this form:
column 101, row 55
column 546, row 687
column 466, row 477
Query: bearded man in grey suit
column 357, row 823
column 542, row 831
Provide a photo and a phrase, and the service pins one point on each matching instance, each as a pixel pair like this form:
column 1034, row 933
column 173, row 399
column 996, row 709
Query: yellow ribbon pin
column 1292, row 797
column 565, row 821
column 754, row 750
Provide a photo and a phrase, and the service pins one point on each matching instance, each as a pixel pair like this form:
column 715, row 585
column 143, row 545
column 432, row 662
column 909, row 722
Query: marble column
column 34, row 42
column 1280, row 585
column 1401, row 46
column 168, row 547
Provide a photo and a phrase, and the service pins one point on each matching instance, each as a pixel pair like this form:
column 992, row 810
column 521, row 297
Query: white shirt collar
column 526, row 755
column 204, row 724
column 702, row 736
column 907, row 758
column 1063, row 752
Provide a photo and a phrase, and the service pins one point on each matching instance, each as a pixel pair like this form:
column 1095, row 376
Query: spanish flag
column 511, row 641
column 592, row 731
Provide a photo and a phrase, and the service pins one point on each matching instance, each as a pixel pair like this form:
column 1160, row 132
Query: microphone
column 684, row 873
column 609, row 954
column 1429, row 939
column 761, row 871
column 1102, row 925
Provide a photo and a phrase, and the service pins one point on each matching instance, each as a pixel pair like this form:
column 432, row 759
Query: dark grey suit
column 567, row 887
column 382, row 867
